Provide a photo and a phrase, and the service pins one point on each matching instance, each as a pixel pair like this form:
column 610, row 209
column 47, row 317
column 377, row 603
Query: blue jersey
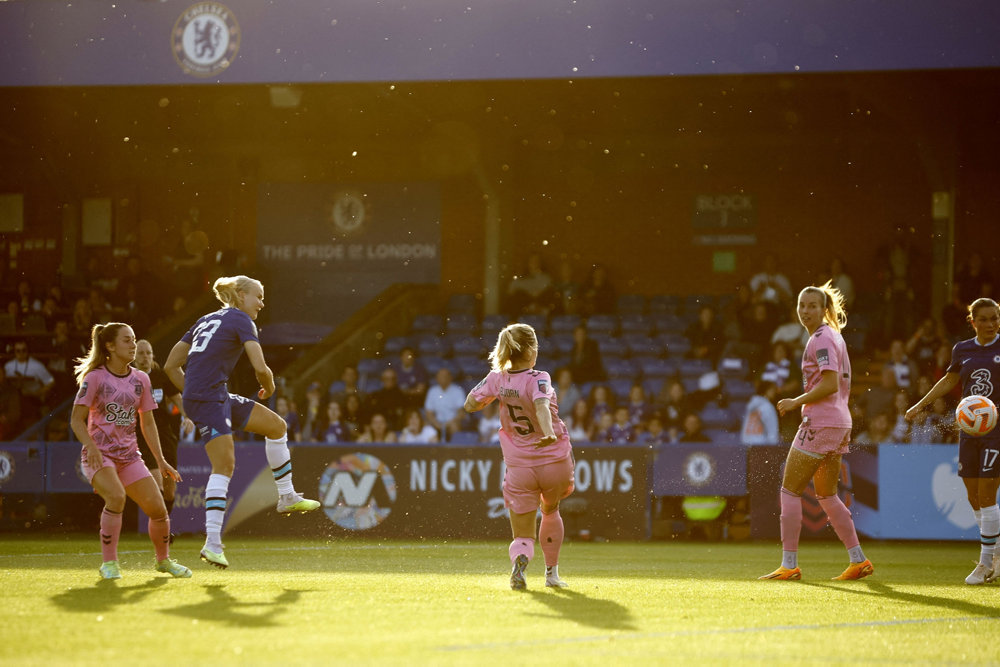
column 216, row 342
column 979, row 368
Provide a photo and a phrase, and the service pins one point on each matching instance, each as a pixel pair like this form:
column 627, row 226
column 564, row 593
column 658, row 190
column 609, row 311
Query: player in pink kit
column 112, row 396
column 536, row 449
column 824, row 434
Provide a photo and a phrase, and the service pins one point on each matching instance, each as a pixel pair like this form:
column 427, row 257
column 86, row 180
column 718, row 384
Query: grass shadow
column 884, row 590
column 105, row 595
column 223, row 608
column 579, row 608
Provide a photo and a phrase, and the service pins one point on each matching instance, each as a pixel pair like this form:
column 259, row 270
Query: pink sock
column 791, row 520
column 550, row 534
column 159, row 535
column 111, row 529
column 521, row 545
column 840, row 519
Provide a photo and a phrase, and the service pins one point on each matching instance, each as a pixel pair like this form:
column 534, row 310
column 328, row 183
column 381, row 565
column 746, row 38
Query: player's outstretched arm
column 264, row 375
column 175, row 360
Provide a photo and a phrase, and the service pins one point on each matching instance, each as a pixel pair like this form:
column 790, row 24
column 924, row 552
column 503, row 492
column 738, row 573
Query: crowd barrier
column 414, row 491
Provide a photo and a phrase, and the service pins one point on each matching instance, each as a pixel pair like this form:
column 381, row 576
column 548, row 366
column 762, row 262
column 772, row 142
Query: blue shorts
column 215, row 418
column 979, row 458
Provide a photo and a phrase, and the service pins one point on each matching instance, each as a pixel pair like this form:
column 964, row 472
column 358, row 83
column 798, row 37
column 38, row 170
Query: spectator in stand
column 602, row 427
column 693, row 429
column 313, row 413
column 923, row 344
column 378, row 430
column 898, row 295
column 601, row 402
column 333, row 429
column 879, row 399
column 791, row 333
column 674, row 403
column 353, row 416
column 444, row 406
column 771, row 286
column 953, row 317
column 623, row 430
column 411, row 378
column 99, row 304
column 655, row 434
column 707, row 336
column 10, row 408
column 416, row 432
column 567, row 391
column 904, row 368
column 841, row 281
column 585, row 357
column 15, row 313
column 530, row 292
column 284, row 408
column 388, row 400
column 489, row 424
column 32, row 380
column 598, row 296
column 27, row 302
column 51, row 313
column 782, row 372
column 756, row 332
column 579, row 423
column 63, row 350
column 972, row 277
column 83, row 319
column 879, row 430
column 565, row 290
column 760, row 419
column 639, row 409
column 900, row 427
column 346, row 386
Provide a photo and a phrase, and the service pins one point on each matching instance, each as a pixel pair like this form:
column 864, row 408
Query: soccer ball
column 976, row 415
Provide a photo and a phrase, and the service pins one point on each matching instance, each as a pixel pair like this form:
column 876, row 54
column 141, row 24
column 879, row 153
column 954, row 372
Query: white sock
column 989, row 532
column 979, row 519
column 280, row 460
column 552, row 572
column 790, row 559
column 215, row 510
column 856, row 554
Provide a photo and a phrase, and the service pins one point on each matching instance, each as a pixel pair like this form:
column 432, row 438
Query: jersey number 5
column 202, row 334
column 520, row 419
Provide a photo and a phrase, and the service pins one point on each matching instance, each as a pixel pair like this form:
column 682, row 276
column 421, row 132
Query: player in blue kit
column 976, row 364
column 209, row 352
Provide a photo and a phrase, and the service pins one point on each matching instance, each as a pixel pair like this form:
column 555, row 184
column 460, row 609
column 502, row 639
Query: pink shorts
column 128, row 473
column 822, row 440
column 524, row 489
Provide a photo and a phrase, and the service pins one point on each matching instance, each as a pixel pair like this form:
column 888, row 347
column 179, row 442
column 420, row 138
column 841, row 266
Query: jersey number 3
column 203, row 333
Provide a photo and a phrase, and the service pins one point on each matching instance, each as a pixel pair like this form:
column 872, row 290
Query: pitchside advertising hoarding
column 411, row 491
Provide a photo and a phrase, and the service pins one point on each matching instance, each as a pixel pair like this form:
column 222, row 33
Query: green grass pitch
column 365, row 602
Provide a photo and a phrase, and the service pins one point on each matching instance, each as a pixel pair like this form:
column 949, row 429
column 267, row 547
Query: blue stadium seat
column 669, row 323
column 540, row 323
column 694, row 367
column 612, row 347
column 722, row 436
column 427, row 323
column 738, row 390
column 492, row 324
column 621, row 387
column 432, row 345
column 712, row 416
column 655, row 367
column 466, row 345
column 464, row 438
column 395, row 344
column 562, row 341
column 653, row 385
column 632, row 323
column 641, row 345
column 617, row 368
column 677, row 344
column 462, row 323
column 470, row 366
column 602, row 325
column 563, row 323
column 371, row 366
column 463, row 303
column 631, row 303
column 734, row 367
column 663, row 303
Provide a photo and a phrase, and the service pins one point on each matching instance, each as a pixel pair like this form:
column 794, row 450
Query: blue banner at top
column 49, row 43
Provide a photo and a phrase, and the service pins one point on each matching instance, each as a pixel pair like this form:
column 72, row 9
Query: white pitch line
column 719, row 631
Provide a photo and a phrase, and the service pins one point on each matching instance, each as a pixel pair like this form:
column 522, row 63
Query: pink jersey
column 826, row 351
column 519, row 429
column 114, row 404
